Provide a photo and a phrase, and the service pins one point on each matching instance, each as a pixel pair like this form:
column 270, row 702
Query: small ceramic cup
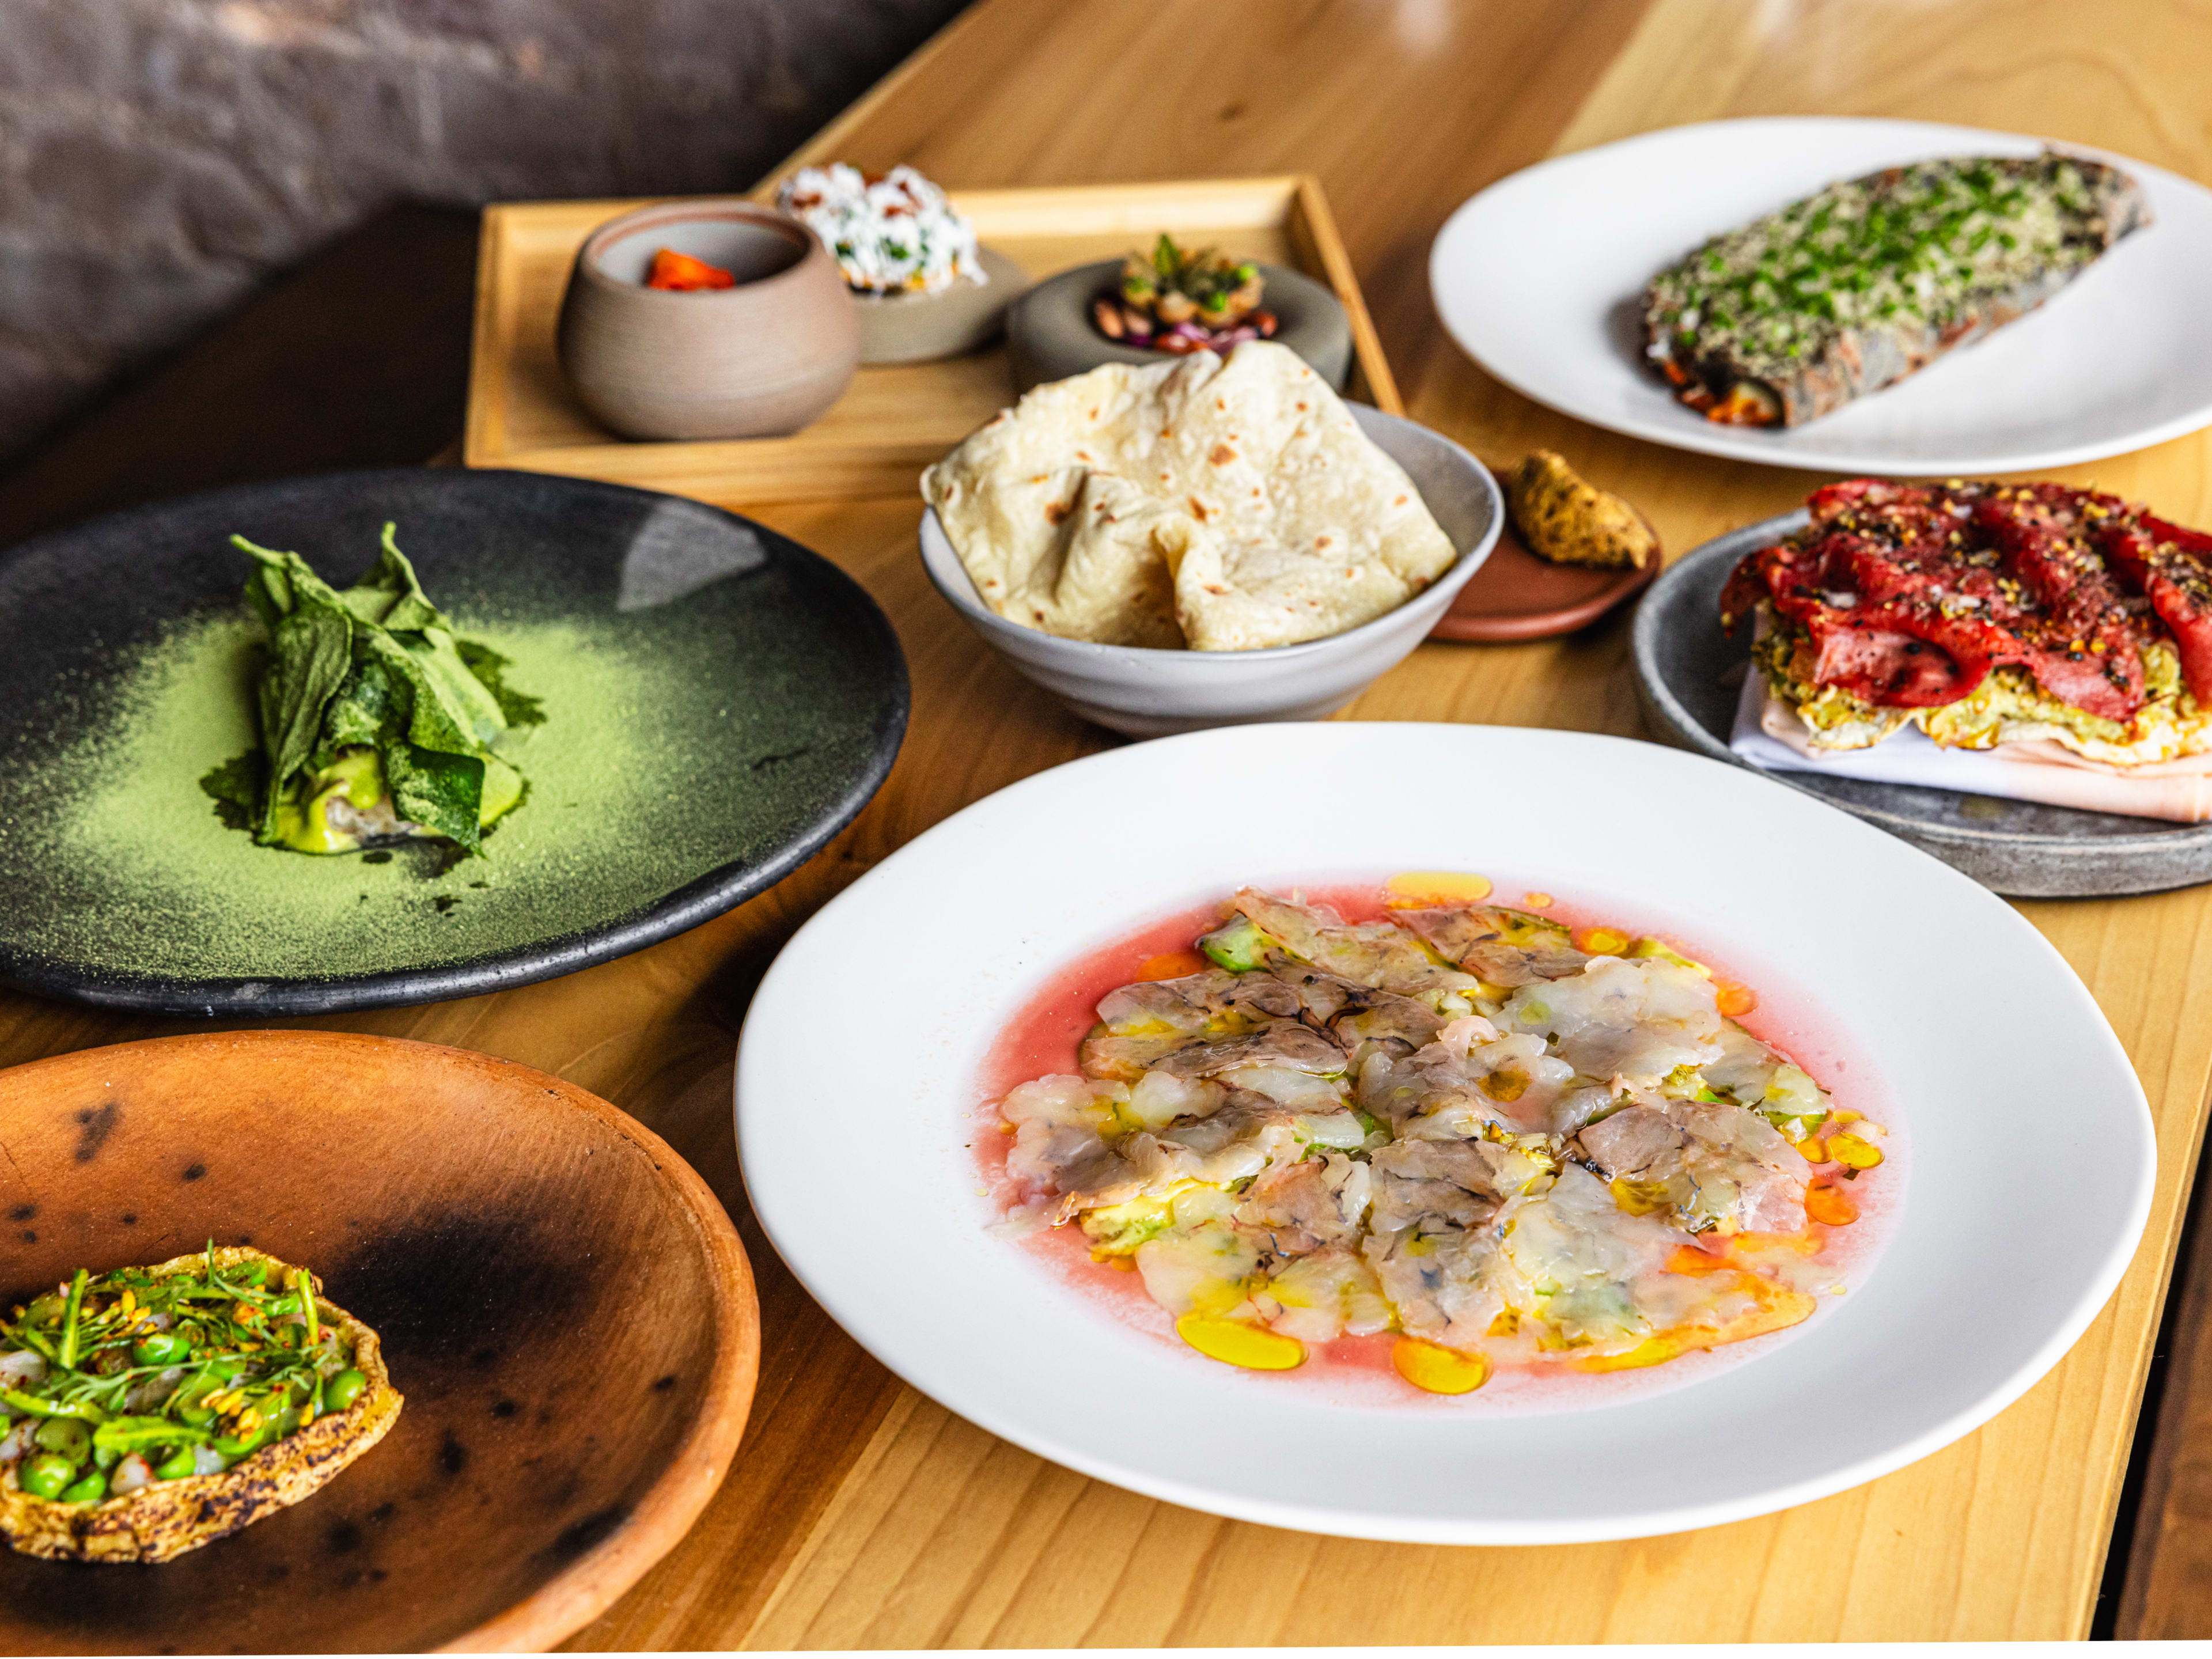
column 759, row 360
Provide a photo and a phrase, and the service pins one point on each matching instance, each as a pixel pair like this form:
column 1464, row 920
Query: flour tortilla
column 1222, row 506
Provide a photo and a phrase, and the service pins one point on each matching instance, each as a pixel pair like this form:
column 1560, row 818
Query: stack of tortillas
column 1221, row 505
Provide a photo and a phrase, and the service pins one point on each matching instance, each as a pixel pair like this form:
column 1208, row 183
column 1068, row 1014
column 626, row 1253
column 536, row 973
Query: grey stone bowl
column 1688, row 674
column 1148, row 693
column 1050, row 336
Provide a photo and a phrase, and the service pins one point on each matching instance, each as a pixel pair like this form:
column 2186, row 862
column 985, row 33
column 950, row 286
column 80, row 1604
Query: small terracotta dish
column 920, row 328
column 1517, row 596
column 562, row 1301
column 759, row 360
column 1050, row 336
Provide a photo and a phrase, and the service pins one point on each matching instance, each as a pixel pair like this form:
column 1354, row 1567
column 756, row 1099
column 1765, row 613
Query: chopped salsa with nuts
column 1182, row 301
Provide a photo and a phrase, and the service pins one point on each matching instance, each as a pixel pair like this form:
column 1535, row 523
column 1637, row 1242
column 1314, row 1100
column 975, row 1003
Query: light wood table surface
column 862, row 1514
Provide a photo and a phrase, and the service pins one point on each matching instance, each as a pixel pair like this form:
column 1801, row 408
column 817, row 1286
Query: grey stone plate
column 718, row 701
column 1688, row 674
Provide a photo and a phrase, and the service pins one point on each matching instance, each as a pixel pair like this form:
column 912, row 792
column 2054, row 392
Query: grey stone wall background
column 159, row 157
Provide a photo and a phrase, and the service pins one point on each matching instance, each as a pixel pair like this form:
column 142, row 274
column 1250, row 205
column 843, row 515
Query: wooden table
column 862, row 1514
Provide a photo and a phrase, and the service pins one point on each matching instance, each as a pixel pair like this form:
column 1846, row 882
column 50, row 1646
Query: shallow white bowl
column 1538, row 279
column 2027, row 1180
column 1148, row 693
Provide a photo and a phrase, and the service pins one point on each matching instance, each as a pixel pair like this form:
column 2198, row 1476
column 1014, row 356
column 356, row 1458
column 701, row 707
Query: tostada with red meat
column 1986, row 614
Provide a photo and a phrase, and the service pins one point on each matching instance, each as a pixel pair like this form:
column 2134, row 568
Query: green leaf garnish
column 368, row 692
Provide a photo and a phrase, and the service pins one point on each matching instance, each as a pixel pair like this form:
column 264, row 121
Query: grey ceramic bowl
column 1050, row 336
column 1148, row 693
column 759, row 360
column 920, row 328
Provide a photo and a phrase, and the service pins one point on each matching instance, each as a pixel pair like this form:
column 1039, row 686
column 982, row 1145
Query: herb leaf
column 377, row 666
column 437, row 790
column 310, row 653
column 235, row 786
column 490, row 669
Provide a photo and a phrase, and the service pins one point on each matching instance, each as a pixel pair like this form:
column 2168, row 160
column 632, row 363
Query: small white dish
column 2027, row 1186
column 1539, row 279
column 1150, row 693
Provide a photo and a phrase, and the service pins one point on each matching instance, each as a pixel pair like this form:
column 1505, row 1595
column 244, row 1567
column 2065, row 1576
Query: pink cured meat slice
column 2173, row 567
column 1909, row 594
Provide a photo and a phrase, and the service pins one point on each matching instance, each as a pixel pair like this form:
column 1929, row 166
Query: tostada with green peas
column 148, row 1410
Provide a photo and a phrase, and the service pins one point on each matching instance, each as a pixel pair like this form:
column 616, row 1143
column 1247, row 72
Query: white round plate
column 858, row 1074
column 1539, row 279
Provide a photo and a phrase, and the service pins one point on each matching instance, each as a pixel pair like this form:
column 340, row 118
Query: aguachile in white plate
column 1466, row 1130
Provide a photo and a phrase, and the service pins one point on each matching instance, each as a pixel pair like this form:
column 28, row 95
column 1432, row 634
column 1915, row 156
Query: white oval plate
column 857, row 1075
column 1538, row 278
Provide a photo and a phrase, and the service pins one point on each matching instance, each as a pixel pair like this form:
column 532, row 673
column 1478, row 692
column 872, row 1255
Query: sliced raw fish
column 1505, row 947
column 1628, row 1023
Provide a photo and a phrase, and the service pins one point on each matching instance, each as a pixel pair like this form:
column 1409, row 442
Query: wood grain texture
column 858, row 1512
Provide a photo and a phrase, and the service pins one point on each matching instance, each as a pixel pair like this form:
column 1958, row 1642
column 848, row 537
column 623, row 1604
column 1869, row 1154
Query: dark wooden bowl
column 563, row 1302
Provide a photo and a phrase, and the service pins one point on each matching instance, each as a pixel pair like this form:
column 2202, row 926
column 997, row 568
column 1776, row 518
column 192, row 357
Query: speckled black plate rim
column 2135, row 863
column 677, row 912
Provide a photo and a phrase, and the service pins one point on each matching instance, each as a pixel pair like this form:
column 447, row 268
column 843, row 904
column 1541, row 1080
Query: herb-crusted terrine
column 1863, row 283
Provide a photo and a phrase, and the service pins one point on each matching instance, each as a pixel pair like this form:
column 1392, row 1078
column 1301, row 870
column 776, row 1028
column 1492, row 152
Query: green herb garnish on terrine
column 1866, row 282
column 378, row 721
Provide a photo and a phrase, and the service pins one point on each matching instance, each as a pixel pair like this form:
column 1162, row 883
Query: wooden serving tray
column 894, row 420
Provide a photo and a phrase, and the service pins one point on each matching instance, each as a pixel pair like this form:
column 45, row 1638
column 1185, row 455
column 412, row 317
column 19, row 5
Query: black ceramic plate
column 1688, row 674
column 719, row 702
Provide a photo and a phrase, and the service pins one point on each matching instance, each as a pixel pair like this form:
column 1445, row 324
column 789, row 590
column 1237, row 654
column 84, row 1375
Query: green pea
column 90, row 1490
column 226, row 1370
column 105, row 1457
column 65, row 1436
column 162, row 1348
column 44, row 1475
column 234, row 1446
column 343, row 1390
column 176, row 1466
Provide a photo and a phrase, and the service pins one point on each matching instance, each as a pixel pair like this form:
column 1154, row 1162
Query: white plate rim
column 786, row 1227
column 1766, row 448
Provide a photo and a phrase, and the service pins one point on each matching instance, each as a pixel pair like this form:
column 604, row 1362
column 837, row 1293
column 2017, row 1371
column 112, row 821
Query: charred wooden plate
column 1517, row 596
column 718, row 701
column 562, row 1301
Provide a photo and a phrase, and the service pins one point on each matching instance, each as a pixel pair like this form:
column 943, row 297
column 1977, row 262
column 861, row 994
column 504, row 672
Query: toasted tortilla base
column 162, row 1521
